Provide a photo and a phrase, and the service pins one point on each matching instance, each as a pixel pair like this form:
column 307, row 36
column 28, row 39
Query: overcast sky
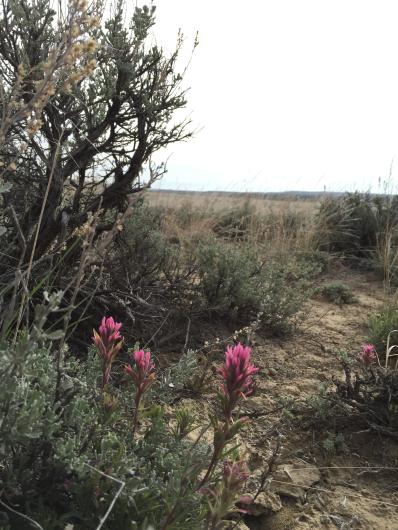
column 287, row 94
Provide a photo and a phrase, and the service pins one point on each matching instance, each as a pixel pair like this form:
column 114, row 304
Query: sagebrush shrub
column 366, row 396
column 71, row 446
column 142, row 250
column 228, row 276
column 337, row 293
column 284, row 289
column 235, row 223
column 156, row 279
column 316, row 260
column 364, row 229
column 48, row 448
column 235, row 282
column 97, row 74
column 148, row 278
column 381, row 323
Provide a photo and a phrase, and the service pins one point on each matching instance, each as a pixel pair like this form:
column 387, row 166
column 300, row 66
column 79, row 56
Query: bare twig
column 35, row 523
column 119, row 491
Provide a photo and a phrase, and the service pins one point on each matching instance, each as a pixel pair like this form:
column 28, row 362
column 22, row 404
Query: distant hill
column 271, row 195
column 276, row 195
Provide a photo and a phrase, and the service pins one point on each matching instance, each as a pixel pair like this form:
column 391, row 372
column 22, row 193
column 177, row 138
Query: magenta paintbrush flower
column 237, row 372
column 109, row 330
column 108, row 342
column 143, row 375
column 221, row 498
column 235, row 474
column 368, row 354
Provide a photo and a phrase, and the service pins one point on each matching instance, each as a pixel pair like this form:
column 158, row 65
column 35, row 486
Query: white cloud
column 287, row 94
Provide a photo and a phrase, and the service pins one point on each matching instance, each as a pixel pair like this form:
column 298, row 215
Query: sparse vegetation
column 336, row 293
column 366, row 397
column 362, row 229
column 381, row 323
column 334, row 444
column 140, row 423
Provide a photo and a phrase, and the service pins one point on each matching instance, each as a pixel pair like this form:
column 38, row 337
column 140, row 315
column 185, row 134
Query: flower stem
column 213, row 462
column 135, row 416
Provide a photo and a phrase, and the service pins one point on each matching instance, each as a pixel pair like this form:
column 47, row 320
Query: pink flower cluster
column 108, row 342
column 143, row 374
column 368, row 354
column 237, row 372
column 235, row 474
column 222, row 497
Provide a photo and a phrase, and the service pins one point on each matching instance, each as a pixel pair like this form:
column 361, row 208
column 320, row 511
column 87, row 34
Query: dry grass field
column 216, row 201
column 330, row 473
column 279, row 224
column 176, row 360
column 305, row 283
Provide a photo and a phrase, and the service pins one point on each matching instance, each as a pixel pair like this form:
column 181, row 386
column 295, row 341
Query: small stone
column 265, row 503
column 293, row 480
column 233, row 525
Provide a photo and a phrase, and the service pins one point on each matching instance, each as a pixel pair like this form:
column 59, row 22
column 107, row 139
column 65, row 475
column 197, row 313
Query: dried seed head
column 91, row 45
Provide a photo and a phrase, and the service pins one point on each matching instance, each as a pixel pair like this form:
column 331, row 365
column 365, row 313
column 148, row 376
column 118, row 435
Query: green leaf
column 4, row 188
column 55, row 335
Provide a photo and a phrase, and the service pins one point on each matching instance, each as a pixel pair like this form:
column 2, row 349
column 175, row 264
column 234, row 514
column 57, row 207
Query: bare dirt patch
column 347, row 490
column 310, row 489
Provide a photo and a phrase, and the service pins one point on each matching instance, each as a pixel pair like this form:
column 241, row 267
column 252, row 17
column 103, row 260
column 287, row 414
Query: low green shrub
column 317, row 260
column 364, row 397
column 284, row 289
column 187, row 215
column 228, row 276
column 143, row 251
column 334, row 444
column 54, row 453
column 380, row 324
column 85, row 443
column 362, row 228
column 155, row 280
column 337, row 293
column 236, row 283
column 148, row 279
column 235, row 223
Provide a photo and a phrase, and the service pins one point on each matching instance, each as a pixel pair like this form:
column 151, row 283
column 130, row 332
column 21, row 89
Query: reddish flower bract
column 368, row 354
column 237, row 372
column 108, row 342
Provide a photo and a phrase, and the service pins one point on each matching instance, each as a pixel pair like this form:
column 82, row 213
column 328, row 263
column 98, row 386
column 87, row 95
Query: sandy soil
column 347, row 489
column 338, row 492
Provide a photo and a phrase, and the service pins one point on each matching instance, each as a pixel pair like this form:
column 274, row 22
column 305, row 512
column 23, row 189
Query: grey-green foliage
column 53, row 445
column 235, row 282
column 284, row 289
column 319, row 404
column 174, row 378
column 125, row 111
column 337, row 293
column 213, row 277
column 334, row 444
column 381, row 323
column 228, row 275
column 142, row 247
column 234, row 223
